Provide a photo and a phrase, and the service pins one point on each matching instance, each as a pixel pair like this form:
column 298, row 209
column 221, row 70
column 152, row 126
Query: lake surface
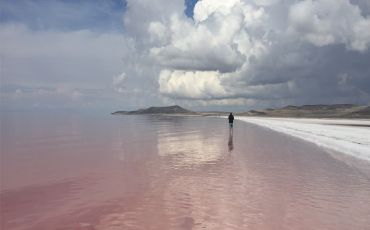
column 93, row 171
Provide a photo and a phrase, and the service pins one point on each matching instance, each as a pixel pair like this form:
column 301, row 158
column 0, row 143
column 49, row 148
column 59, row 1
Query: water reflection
column 189, row 148
column 230, row 143
column 157, row 172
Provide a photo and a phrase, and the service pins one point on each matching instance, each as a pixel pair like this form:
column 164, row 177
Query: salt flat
column 91, row 171
column 349, row 136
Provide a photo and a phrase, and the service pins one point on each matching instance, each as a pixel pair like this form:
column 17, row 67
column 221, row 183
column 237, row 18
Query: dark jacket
column 231, row 118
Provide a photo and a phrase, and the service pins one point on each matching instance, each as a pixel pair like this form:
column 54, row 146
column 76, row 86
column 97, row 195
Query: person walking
column 231, row 120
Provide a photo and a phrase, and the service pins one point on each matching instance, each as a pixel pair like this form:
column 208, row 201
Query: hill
column 304, row 111
column 175, row 109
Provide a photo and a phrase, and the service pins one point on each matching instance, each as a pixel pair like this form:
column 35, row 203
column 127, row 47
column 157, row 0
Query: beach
column 348, row 136
column 83, row 171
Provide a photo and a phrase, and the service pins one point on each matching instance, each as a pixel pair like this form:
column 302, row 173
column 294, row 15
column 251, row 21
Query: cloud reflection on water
column 190, row 142
column 190, row 148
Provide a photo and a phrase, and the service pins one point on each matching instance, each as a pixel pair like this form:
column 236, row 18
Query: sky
column 231, row 55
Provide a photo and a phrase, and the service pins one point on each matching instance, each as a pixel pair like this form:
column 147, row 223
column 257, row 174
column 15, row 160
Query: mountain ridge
column 174, row 109
column 303, row 111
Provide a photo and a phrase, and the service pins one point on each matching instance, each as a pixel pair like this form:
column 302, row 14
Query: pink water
column 89, row 171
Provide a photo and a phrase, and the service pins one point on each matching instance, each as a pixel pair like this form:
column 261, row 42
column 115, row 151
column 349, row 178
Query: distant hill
column 175, row 109
column 304, row 111
column 314, row 111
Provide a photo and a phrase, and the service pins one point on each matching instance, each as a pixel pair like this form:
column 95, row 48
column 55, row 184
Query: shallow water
column 91, row 171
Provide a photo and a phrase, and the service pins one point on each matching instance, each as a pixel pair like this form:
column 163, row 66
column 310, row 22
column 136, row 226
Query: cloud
column 63, row 54
column 194, row 85
column 215, row 41
column 31, row 97
column 324, row 22
column 266, row 2
column 233, row 52
column 52, row 57
column 82, row 59
column 140, row 13
column 297, row 52
column 119, row 82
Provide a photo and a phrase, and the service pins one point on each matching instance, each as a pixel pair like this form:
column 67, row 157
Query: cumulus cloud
column 195, row 85
column 157, row 32
column 232, row 52
column 216, row 40
column 310, row 51
column 324, row 22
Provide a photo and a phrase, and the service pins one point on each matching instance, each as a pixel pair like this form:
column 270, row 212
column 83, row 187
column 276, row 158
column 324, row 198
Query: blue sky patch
column 65, row 14
column 189, row 10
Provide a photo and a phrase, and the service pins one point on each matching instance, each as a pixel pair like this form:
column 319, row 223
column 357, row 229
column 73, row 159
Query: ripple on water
column 179, row 173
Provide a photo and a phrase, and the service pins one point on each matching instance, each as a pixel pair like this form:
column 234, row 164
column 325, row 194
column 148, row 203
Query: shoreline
column 348, row 137
column 344, row 135
column 339, row 111
column 207, row 114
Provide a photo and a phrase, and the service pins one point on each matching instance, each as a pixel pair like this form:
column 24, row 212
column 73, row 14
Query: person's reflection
column 230, row 144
